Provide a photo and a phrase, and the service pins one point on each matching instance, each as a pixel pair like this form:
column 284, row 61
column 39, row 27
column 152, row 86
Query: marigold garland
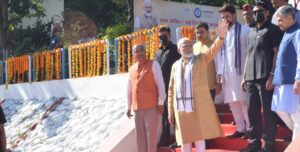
column 17, row 68
column 119, row 55
column 81, row 62
column 99, row 57
column 58, row 64
column 129, row 52
column 188, row 31
column 123, row 55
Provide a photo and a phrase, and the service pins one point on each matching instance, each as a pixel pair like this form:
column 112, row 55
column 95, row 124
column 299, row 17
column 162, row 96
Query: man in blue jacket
column 287, row 72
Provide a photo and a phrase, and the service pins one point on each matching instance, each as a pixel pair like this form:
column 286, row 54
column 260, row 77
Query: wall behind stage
column 109, row 86
column 177, row 14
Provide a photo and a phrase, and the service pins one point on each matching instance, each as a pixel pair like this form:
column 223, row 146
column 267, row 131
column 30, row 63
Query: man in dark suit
column 263, row 43
column 166, row 56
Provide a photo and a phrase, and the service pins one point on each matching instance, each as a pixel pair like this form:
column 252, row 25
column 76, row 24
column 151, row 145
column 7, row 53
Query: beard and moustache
column 259, row 17
column 163, row 40
column 187, row 55
column 147, row 14
column 231, row 22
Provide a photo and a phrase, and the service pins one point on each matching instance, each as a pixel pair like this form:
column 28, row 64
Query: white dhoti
column 286, row 104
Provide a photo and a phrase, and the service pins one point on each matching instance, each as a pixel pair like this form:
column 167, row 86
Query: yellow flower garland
column 58, row 64
column 104, row 58
column 80, row 51
column 99, row 57
column 129, row 52
column 123, row 55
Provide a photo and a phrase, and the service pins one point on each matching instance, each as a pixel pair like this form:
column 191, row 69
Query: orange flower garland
column 17, row 67
column 99, row 57
column 80, row 51
column 129, row 52
column 94, row 59
column 58, row 64
column 42, row 65
column 123, row 55
column 47, row 65
column 188, row 31
column 153, row 44
column 119, row 55
column 104, row 58
column 88, row 61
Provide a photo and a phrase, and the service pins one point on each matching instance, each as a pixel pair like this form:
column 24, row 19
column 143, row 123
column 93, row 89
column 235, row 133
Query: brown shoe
column 236, row 134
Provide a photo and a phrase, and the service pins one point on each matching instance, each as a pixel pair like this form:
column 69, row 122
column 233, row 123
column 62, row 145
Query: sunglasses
column 258, row 11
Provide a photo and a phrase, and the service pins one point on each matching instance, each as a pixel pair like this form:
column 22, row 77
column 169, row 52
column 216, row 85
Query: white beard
column 147, row 14
column 187, row 55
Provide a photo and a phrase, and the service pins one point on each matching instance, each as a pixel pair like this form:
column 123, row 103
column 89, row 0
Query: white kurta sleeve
column 159, row 80
column 129, row 92
column 219, row 63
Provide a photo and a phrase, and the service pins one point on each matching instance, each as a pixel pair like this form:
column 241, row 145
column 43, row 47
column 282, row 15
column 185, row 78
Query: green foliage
column 30, row 39
column 18, row 9
column 104, row 13
column 114, row 32
column 119, row 29
column 13, row 37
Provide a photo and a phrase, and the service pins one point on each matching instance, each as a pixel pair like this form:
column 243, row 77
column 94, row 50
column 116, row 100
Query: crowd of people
column 256, row 65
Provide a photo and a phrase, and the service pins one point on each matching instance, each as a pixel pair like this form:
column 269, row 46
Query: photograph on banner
column 145, row 19
column 149, row 13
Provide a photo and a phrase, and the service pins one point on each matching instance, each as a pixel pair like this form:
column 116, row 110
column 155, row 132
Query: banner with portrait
column 148, row 13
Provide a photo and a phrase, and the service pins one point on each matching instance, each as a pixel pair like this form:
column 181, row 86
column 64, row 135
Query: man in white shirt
column 146, row 95
column 230, row 67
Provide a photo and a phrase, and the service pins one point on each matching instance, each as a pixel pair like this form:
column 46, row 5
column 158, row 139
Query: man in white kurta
column 229, row 74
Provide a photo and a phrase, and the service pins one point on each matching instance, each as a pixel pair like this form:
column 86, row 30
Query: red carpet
column 224, row 144
column 208, row 150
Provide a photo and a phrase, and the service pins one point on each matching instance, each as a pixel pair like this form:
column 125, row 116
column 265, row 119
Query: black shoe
column 236, row 134
column 269, row 147
column 265, row 149
column 246, row 136
column 174, row 145
column 162, row 145
column 252, row 147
